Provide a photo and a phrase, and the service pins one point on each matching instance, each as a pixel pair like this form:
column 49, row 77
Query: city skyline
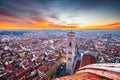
column 47, row 54
column 59, row 14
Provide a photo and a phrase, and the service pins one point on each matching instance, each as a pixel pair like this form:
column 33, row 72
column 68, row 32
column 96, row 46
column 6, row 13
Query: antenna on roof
column 71, row 28
column 71, row 25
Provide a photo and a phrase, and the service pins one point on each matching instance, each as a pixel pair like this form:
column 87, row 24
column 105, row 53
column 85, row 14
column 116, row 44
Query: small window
column 70, row 44
column 69, row 59
column 69, row 52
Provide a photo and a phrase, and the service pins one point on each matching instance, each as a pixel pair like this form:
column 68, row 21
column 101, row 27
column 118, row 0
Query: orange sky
column 59, row 14
column 34, row 25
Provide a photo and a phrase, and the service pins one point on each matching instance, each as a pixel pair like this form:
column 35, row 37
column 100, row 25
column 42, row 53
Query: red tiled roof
column 27, row 64
column 17, row 72
column 38, row 78
column 45, row 67
column 10, row 67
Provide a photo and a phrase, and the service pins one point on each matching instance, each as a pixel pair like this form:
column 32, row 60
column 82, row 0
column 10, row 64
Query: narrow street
column 61, row 71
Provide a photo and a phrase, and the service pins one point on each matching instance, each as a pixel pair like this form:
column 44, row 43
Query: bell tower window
column 70, row 44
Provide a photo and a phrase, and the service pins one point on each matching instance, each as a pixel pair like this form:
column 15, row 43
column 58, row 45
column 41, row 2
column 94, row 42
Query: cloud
column 55, row 13
column 54, row 16
column 113, row 24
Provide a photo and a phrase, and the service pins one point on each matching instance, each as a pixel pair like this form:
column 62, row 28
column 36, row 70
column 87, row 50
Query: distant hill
column 17, row 32
column 12, row 33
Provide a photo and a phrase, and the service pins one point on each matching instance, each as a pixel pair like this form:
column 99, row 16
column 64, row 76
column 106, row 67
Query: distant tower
column 70, row 54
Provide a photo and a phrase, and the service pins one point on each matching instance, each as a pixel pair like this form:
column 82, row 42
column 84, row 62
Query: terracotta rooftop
column 27, row 64
column 17, row 72
column 10, row 67
column 45, row 67
column 82, row 76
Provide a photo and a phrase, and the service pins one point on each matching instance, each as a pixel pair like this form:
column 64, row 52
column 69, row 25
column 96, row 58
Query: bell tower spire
column 71, row 28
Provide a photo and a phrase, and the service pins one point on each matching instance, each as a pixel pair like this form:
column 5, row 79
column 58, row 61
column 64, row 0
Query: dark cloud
column 19, row 8
column 4, row 12
column 83, row 5
column 54, row 16
column 36, row 9
column 36, row 5
column 5, row 20
column 38, row 19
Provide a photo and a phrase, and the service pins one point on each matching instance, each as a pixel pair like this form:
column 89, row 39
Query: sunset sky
column 59, row 14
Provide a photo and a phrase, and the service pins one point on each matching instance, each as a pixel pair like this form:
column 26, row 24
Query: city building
column 87, row 59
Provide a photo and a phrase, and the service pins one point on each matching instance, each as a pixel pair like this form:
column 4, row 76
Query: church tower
column 70, row 52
